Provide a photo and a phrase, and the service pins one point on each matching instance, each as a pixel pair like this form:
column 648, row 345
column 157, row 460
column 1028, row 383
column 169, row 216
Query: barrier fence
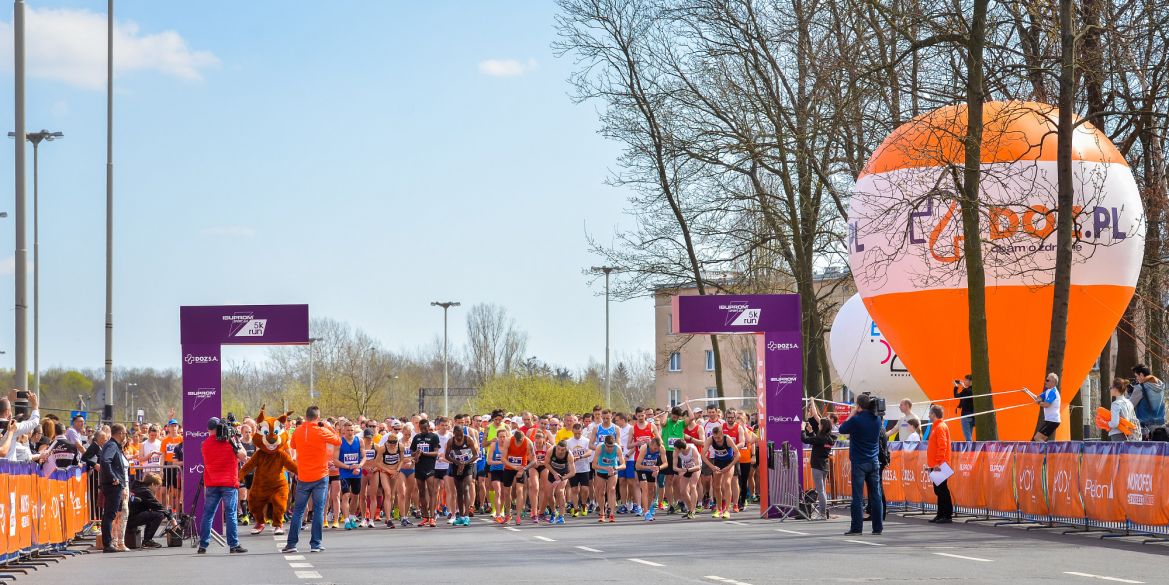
column 40, row 514
column 1090, row 486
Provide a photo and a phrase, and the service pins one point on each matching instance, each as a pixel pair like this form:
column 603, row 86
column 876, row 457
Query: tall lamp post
column 20, row 317
column 36, row 138
column 109, row 338
column 311, row 367
column 130, row 399
column 446, row 387
column 608, row 383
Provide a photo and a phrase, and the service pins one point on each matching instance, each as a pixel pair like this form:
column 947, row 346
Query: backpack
column 883, row 456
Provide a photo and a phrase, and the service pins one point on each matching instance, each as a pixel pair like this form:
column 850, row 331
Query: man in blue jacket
column 864, row 430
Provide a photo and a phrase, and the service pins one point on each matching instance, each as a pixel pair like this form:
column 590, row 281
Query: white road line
column 1102, row 577
column 544, row 538
column 735, row 522
column 797, row 533
column 307, row 575
column 294, row 557
column 511, row 528
column 587, row 549
column 725, row 580
column 865, row 542
column 301, row 565
column 645, row 562
column 963, row 557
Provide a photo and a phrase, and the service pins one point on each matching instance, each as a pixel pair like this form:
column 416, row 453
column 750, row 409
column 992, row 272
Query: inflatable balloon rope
column 926, row 424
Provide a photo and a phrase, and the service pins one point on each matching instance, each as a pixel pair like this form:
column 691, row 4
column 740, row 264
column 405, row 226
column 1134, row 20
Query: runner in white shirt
column 442, row 466
column 578, row 484
column 150, row 455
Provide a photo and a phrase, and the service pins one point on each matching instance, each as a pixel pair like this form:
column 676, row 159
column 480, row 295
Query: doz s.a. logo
column 777, row 346
column 199, row 359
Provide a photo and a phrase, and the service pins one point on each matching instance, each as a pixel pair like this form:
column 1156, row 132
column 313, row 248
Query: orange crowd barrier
column 1102, row 485
column 40, row 513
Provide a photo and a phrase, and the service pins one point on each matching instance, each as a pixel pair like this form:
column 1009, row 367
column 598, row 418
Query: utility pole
column 21, row 260
column 446, row 387
column 311, row 368
column 608, row 383
column 109, row 203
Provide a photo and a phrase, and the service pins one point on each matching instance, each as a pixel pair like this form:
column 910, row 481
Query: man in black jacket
column 146, row 510
column 113, row 480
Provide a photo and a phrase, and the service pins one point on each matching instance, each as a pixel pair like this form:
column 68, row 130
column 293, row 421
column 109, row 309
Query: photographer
column 964, row 392
column 145, row 510
column 18, row 429
column 864, row 431
column 221, row 456
column 1148, row 397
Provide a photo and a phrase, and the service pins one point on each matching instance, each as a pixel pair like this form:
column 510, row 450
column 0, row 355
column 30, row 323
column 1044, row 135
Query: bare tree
column 495, row 345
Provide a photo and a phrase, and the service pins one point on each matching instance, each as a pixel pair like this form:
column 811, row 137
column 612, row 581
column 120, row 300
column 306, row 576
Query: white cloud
column 70, row 46
column 507, row 67
column 228, row 231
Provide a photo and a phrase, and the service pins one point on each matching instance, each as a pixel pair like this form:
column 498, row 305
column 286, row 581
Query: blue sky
column 365, row 158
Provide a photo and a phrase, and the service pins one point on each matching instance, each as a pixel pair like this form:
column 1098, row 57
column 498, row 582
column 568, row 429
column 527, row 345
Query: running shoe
column 601, row 519
column 536, row 519
column 406, row 522
column 690, row 515
column 279, row 530
column 637, row 510
column 259, row 529
column 504, row 519
column 453, row 520
column 736, row 509
column 622, row 509
column 716, row 515
column 517, row 520
column 670, row 509
column 335, row 524
column 649, row 516
column 559, row 519
column 389, row 523
column 611, row 519
column 727, row 515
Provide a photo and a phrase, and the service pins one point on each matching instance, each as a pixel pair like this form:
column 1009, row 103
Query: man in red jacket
column 220, row 485
column 937, row 453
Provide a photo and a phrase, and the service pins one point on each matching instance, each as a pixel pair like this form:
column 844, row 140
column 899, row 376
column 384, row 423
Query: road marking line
column 587, row 549
column 863, row 542
column 725, row 580
column 307, row 575
column 645, row 562
column 735, row 522
column 511, row 528
column 545, row 539
column 294, row 557
column 962, row 557
column 301, row 565
column 1091, row 576
column 791, row 532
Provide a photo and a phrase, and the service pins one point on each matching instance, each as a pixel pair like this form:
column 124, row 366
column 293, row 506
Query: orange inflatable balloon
column 905, row 250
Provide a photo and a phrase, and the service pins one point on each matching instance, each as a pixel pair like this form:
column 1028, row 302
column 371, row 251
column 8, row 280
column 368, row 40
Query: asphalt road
column 669, row 550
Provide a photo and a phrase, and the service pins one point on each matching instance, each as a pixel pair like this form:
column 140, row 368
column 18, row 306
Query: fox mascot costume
column 268, row 496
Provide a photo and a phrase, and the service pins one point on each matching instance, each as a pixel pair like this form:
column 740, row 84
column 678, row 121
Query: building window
column 710, row 360
column 670, row 323
column 711, row 395
column 748, row 360
column 675, row 397
column 675, row 362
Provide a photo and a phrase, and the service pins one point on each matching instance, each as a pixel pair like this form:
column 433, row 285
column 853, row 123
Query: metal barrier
column 1080, row 486
column 45, row 514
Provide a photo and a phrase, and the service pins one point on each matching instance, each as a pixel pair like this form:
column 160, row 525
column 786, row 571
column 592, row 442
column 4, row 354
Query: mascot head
column 269, row 433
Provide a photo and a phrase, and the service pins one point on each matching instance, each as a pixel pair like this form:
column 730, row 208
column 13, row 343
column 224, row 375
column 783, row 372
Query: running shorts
column 440, row 474
column 628, row 473
column 581, row 479
column 646, row 476
column 351, row 485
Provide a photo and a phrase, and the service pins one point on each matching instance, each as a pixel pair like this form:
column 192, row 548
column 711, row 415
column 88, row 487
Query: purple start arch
column 774, row 320
column 203, row 331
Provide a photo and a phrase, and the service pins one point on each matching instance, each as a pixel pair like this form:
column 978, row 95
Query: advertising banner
column 966, row 483
column 998, row 466
column 1098, row 478
column 1140, row 482
column 891, row 478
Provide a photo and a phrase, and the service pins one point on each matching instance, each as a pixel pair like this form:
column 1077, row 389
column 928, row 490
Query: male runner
column 461, row 452
column 425, row 447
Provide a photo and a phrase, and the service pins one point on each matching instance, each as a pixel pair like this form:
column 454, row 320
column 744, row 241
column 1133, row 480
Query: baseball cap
column 173, row 421
column 485, row 417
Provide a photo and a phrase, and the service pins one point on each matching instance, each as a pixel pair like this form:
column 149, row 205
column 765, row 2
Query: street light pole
column 446, row 386
column 36, row 138
column 608, row 383
column 130, row 400
column 21, row 259
column 311, row 364
column 109, row 201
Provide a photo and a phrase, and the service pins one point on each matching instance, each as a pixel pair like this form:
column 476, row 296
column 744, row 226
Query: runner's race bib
column 515, row 460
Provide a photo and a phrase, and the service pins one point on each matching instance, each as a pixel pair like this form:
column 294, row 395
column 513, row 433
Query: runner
column 519, row 457
column 578, row 483
column 561, row 467
column 349, row 459
column 719, row 455
column 688, row 464
column 445, row 489
column 425, row 447
column 389, row 461
column 607, row 464
column 736, row 431
column 461, row 453
column 627, row 478
column 650, row 462
column 538, row 476
column 673, row 429
column 370, row 482
column 495, row 470
column 602, row 427
column 333, row 498
column 410, row 507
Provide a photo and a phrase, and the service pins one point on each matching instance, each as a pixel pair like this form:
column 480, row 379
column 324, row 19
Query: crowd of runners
column 521, row 468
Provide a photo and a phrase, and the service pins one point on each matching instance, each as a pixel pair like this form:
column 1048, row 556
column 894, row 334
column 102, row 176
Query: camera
column 225, row 428
column 20, row 409
column 874, row 404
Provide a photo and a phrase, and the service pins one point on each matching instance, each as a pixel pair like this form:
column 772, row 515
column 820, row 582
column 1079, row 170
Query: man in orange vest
column 937, row 453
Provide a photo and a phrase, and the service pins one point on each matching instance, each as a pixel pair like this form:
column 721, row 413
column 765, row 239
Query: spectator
column 1049, row 400
column 964, row 391
column 311, row 441
column 114, row 469
column 902, row 430
column 76, row 433
column 818, row 434
column 914, row 431
column 864, row 431
column 937, row 454
column 145, row 510
column 1148, row 399
column 23, row 427
column 150, row 451
column 62, row 452
column 1122, row 409
column 220, row 486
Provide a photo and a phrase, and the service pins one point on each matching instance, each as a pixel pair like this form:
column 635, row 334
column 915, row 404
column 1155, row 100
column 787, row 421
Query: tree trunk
column 1065, row 218
column 986, row 426
column 718, row 368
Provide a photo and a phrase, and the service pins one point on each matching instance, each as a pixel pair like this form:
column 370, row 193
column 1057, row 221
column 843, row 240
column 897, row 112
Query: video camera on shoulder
column 224, row 428
column 873, row 404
